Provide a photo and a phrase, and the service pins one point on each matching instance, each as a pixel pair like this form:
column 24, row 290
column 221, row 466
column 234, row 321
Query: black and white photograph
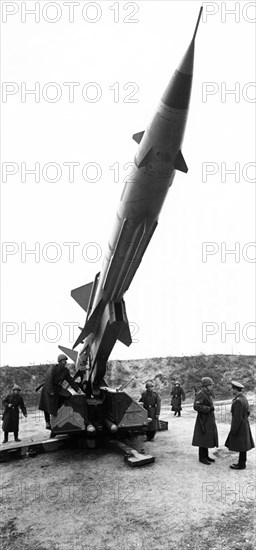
column 128, row 252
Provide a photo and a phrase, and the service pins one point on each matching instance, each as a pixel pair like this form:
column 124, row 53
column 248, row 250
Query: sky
column 78, row 80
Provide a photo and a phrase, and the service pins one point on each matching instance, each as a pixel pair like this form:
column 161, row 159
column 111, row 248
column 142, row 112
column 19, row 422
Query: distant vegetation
column 189, row 370
column 162, row 370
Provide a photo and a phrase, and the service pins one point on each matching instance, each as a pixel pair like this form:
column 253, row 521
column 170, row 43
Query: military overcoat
column 152, row 403
column 205, row 432
column 240, row 437
column 177, row 395
column 51, row 390
column 11, row 414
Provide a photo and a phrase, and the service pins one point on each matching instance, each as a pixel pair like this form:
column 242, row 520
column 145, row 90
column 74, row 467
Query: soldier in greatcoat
column 177, row 395
column 205, row 432
column 12, row 403
column 52, row 394
column 240, row 437
column 152, row 403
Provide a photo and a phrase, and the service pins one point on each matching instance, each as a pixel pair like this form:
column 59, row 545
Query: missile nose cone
column 187, row 63
column 177, row 93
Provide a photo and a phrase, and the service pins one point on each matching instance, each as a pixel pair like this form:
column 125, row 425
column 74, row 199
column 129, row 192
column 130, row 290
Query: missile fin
column 180, row 163
column 92, row 324
column 80, row 338
column 138, row 137
column 124, row 335
column 82, row 295
column 146, row 158
column 69, row 352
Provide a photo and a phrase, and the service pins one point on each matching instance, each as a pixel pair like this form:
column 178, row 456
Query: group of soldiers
column 205, row 432
column 53, row 395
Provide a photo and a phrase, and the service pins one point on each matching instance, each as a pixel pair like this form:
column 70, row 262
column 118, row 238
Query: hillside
column 162, row 370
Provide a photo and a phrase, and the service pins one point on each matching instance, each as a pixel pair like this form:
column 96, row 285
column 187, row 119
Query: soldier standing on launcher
column 53, row 395
column 12, row 402
column 205, row 432
column 152, row 403
column 240, row 437
column 177, row 394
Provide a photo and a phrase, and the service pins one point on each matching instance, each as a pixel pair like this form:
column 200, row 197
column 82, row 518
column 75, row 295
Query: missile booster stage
column 158, row 157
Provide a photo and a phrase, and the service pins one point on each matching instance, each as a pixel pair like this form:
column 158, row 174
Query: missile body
column 158, row 157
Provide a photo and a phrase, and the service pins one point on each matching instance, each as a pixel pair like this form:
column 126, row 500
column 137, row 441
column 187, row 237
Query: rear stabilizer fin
column 82, row 295
column 124, row 335
column 91, row 324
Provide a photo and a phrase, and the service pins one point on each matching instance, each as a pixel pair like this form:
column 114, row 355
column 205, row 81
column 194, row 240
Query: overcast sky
column 98, row 70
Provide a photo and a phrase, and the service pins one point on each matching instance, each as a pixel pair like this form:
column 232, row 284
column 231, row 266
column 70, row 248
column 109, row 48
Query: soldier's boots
column 238, row 466
column 205, row 461
column 210, row 459
column 5, row 440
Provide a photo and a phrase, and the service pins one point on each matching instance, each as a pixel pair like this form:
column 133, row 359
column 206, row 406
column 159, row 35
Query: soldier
column 53, row 395
column 177, row 394
column 240, row 437
column 205, row 432
column 152, row 403
column 12, row 402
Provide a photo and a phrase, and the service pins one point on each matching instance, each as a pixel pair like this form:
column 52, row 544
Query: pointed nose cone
column 177, row 93
column 187, row 63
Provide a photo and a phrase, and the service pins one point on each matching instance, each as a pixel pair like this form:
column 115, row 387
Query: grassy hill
column 162, row 370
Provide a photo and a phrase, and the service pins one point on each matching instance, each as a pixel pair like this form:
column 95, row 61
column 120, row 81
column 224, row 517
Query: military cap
column 177, row 382
column 149, row 384
column 237, row 385
column 16, row 387
column 61, row 357
column 206, row 381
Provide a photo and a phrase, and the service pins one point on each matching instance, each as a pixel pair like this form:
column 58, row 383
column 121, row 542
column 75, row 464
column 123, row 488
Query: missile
column 158, row 157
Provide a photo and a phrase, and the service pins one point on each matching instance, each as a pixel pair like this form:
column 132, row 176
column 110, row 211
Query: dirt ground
column 92, row 500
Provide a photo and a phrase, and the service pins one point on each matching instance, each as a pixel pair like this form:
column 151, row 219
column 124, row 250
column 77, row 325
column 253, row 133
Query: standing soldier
column 152, row 403
column 177, row 394
column 12, row 402
column 240, row 437
column 205, row 432
column 53, row 395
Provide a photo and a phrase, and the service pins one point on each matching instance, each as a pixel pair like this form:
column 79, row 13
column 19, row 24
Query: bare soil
column 92, row 500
